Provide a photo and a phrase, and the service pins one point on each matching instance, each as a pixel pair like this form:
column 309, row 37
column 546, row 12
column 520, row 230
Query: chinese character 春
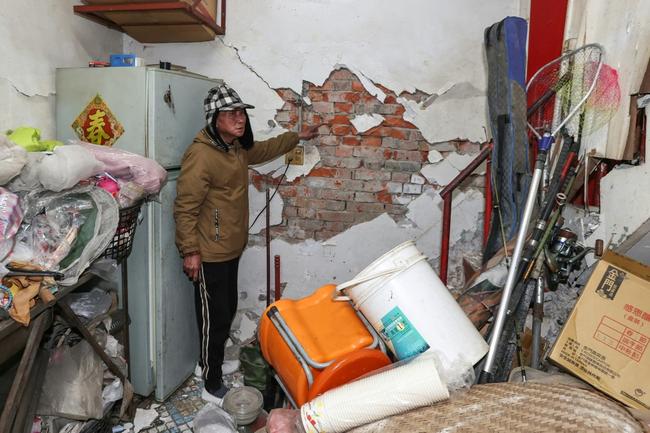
column 95, row 132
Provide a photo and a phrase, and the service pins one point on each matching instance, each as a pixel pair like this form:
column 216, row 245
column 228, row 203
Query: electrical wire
column 270, row 198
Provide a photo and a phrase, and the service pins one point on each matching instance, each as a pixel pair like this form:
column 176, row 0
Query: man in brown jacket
column 211, row 213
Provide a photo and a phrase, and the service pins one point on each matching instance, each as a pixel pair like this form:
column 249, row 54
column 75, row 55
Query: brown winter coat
column 211, row 207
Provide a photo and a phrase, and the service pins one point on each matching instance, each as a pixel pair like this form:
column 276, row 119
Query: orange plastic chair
column 315, row 344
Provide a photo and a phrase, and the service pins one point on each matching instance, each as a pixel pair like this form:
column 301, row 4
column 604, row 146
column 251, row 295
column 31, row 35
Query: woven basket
column 122, row 242
column 514, row 407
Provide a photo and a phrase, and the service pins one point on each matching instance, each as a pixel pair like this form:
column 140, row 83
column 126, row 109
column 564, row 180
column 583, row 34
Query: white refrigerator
column 158, row 113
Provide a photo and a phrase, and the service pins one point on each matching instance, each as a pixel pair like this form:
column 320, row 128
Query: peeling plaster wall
column 428, row 53
column 37, row 37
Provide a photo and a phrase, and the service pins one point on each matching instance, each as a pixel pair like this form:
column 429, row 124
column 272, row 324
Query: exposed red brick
column 290, row 211
column 371, row 141
column 335, row 194
column 336, row 226
column 317, row 96
column 258, row 180
column 384, row 197
column 306, row 212
column 358, row 86
column 342, row 130
column 288, row 191
column 313, row 203
column 340, row 120
column 352, row 97
column 352, row 140
column 382, row 131
column 323, row 172
column 343, row 151
column 358, row 174
column 341, row 74
column 343, row 107
column 408, row 155
column 398, row 122
column 323, row 107
column 366, row 207
column 335, row 216
column 390, row 99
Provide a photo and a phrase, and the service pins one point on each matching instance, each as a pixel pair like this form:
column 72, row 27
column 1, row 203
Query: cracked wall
column 38, row 37
column 372, row 177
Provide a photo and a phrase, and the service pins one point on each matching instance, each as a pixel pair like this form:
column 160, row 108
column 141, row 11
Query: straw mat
column 514, row 407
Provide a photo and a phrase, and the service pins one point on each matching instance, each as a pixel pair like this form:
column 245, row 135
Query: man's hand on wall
column 192, row 266
column 309, row 133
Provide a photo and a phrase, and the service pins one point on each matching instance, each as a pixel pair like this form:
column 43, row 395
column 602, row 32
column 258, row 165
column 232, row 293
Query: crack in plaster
column 23, row 93
column 249, row 67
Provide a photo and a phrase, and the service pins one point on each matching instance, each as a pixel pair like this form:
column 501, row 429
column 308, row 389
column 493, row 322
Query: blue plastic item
column 121, row 60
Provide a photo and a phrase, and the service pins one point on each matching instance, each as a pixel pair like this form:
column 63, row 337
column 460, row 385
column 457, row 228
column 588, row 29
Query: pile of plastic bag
column 59, row 203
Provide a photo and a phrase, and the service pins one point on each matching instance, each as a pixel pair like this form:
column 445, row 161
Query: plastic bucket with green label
column 413, row 311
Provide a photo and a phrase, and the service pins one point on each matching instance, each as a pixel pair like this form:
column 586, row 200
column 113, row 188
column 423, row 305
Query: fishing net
column 575, row 92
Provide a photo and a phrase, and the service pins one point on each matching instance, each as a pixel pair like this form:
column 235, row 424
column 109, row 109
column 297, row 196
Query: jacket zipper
column 217, row 227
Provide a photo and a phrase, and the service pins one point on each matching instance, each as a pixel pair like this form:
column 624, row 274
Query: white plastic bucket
column 413, row 311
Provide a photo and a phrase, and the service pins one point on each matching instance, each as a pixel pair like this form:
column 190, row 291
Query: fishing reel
column 564, row 254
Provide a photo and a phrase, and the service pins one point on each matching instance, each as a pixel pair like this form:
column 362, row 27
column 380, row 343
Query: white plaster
column 461, row 161
column 425, row 209
column 245, row 331
column 452, row 115
column 143, row 419
column 364, row 122
column 625, row 203
column 299, row 35
column 307, row 100
column 417, row 179
column 440, row 173
column 434, row 156
column 257, row 201
column 38, row 37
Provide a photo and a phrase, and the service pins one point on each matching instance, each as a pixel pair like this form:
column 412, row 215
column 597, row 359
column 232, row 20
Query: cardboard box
column 605, row 340
column 161, row 25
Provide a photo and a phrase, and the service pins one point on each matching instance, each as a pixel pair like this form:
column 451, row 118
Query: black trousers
column 216, row 304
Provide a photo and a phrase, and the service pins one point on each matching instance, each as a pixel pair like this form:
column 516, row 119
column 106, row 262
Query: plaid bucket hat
column 223, row 98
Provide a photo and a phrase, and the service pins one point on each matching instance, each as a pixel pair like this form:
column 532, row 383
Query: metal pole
column 544, row 146
column 444, row 246
column 268, row 248
column 278, row 289
column 538, row 317
column 487, row 215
